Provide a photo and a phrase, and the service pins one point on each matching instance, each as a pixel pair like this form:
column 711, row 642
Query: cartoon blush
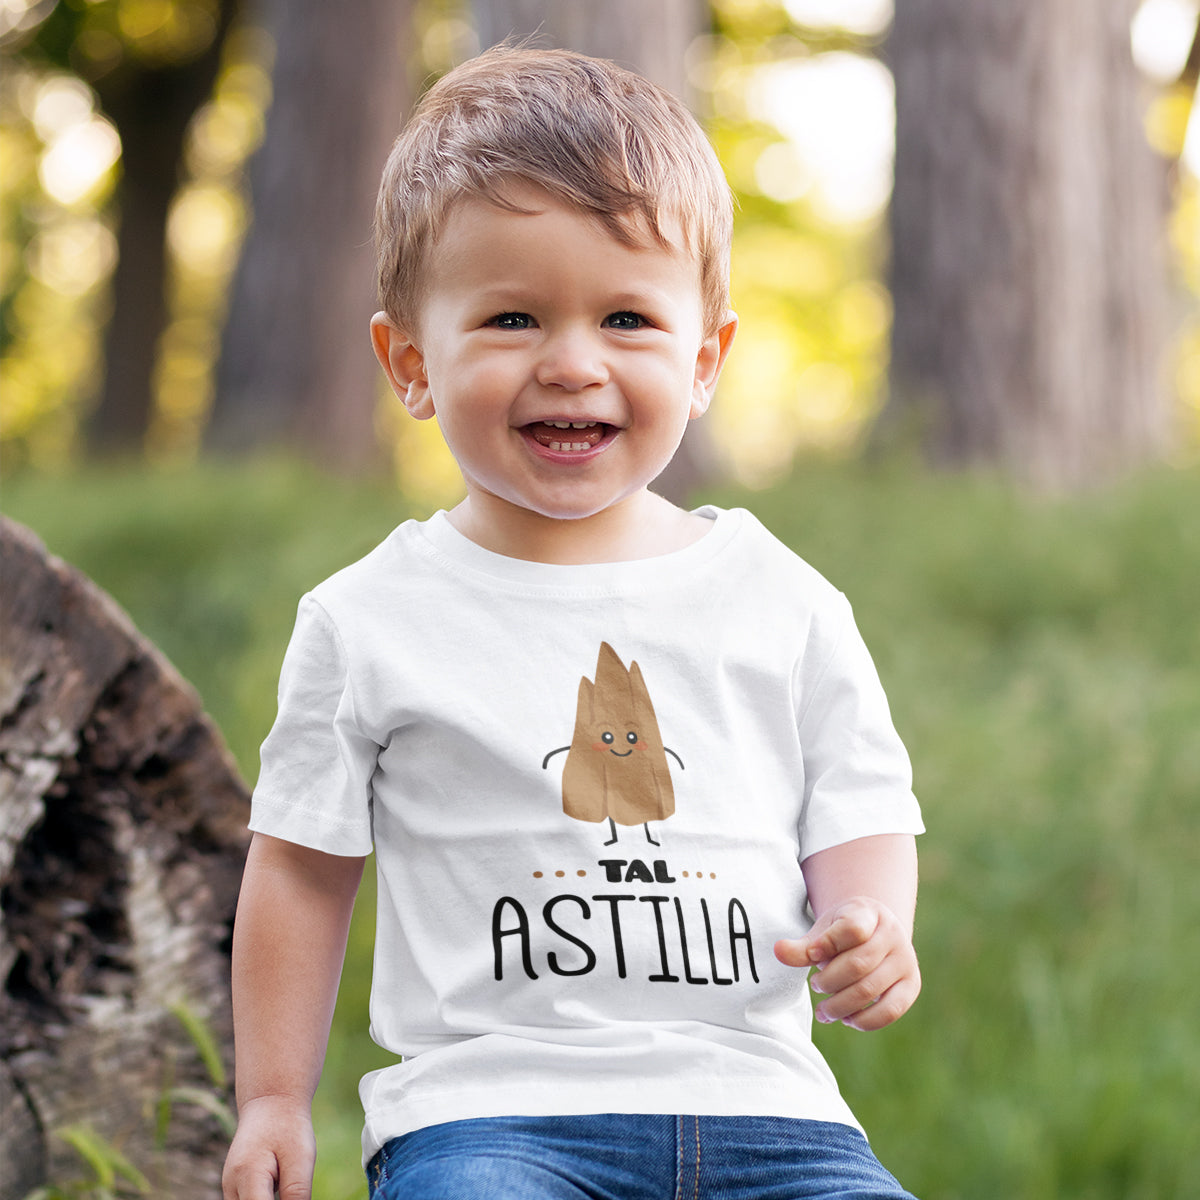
column 616, row 768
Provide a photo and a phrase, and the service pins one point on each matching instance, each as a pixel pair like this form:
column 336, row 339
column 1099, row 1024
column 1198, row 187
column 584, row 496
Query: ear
column 403, row 364
column 709, row 361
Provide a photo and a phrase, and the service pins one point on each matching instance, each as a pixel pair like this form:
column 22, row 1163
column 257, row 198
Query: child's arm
column 863, row 896
column 289, row 943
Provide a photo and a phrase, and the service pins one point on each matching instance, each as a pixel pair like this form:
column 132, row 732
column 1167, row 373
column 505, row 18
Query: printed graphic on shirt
column 621, row 917
column 616, row 767
column 629, row 934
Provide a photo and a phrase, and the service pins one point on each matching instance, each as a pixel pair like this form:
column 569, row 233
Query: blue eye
column 512, row 320
column 624, row 320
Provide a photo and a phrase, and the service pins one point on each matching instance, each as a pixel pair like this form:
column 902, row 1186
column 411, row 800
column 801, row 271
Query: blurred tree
column 1028, row 222
column 650, row 38
column 151, row 65
column 295, row 364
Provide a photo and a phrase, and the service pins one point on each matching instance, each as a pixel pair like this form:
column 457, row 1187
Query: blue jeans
column 618, row 1156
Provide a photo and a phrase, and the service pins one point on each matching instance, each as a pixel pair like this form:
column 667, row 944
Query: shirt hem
column 727, row 1098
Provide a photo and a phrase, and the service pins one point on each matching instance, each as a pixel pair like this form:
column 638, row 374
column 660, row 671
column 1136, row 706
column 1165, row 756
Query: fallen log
column 122, row 836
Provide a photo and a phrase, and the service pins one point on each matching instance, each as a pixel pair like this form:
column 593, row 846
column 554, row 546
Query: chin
column 569, row 505
column 568, row 512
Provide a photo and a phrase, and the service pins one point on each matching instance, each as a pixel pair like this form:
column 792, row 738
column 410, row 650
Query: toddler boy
column 609, row 754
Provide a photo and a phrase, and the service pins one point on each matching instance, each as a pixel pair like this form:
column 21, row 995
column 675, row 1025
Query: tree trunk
column 1028, row 266
column 151, row 109
column 296, row 365
column 648, row 36
column 651, row 37
column 122, row 836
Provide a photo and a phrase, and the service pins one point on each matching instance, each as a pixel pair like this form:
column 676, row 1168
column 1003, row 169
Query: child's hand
column 273, row 1149
column 863, row 963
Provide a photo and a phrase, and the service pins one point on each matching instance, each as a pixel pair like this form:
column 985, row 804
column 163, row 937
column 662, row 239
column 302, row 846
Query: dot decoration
column 582, row 874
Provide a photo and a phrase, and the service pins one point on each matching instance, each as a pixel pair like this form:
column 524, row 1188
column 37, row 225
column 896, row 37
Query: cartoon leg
column 652, row 842
column 612, row 826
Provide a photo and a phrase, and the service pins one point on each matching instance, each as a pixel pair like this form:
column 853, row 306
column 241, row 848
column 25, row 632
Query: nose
column 572, row 359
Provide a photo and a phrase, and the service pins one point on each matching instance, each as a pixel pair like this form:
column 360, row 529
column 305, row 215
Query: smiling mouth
column 568, row 436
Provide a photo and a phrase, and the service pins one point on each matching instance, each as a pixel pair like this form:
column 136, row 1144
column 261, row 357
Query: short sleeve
column 858, row 778
column 314, row 787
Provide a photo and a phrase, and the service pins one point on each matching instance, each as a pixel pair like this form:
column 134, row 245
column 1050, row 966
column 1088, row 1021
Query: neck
column 641, row 526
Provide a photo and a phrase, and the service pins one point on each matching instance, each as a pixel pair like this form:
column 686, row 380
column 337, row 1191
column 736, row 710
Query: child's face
column 562, row 365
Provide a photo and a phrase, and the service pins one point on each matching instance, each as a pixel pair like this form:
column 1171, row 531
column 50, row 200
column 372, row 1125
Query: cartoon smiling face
column 617, row 765
column 610, row 740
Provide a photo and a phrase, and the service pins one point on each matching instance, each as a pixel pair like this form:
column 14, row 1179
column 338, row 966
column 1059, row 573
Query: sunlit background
column 1040, row 658
column 806, row 133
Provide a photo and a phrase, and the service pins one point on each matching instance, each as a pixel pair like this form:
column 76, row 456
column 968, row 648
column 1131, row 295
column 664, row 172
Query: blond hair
column 595, row 136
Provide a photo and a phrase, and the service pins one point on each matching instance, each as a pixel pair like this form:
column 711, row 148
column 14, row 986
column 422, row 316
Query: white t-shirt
column 480, row 723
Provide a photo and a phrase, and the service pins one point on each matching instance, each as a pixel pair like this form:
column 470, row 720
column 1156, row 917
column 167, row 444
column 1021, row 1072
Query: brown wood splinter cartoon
column 616, row 767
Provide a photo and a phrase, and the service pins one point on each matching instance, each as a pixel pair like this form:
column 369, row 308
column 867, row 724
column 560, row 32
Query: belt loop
column 687, row 1158
column 696, row 1185
column 678, row 1158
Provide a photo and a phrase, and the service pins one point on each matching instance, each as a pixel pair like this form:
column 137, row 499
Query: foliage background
column 1040, row 657
column 795, row 93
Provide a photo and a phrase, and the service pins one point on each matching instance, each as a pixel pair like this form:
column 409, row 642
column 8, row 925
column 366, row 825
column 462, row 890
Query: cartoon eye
column 607, row 738
column 631, row 738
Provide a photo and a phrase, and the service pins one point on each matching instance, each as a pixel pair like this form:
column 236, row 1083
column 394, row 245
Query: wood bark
column 1028, row 226
column 650, row 37
column 122, row 836
column 296, row 365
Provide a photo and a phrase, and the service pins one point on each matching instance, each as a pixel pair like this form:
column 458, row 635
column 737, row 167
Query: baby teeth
column 590, row 439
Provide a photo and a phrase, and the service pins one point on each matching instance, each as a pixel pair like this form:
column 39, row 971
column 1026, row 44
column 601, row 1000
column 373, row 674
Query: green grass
column 1043, row 664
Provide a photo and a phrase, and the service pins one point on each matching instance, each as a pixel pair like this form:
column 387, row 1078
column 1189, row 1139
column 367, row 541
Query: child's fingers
column 296, row 1171
column 853, row 924
column 248, row 1182
column 865, row 990
column 890, row 1006
column 864, row 971
column 795, row 952
column 850, row 993
column 863, row 965
column 849, row 926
